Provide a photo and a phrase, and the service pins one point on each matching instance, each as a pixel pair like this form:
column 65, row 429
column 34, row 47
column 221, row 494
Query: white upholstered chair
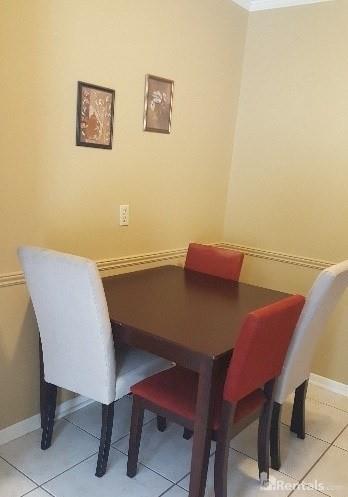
column 321, row 301
column 76, row 343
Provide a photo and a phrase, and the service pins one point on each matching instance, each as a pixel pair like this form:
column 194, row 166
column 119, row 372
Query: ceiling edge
column 255, row 5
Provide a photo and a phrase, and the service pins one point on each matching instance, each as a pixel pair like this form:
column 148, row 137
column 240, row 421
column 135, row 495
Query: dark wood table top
column 196, row 312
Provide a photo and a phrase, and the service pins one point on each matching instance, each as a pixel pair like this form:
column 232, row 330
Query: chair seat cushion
column 133, row 365
column 175, row 390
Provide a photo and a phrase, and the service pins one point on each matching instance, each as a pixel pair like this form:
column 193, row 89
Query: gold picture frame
column 158, row 104
column 94, row 116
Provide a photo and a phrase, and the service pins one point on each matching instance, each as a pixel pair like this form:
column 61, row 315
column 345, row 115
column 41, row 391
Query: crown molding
column 255, row 5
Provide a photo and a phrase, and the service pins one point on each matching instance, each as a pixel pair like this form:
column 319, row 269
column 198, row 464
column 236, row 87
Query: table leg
column 201, row 434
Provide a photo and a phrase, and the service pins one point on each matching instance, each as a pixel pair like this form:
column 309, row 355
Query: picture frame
column 94, row 115
column 158, row 104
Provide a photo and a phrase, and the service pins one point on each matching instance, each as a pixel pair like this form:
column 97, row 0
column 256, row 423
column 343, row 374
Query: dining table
column 192, row 319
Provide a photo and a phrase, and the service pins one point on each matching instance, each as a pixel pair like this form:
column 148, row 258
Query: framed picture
column 95, row 114
column 158, row 104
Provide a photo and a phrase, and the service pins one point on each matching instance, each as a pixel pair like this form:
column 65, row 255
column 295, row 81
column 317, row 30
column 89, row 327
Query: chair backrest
column 321, row 301
column 223, row 263
column 261, row 347
column 73, row 319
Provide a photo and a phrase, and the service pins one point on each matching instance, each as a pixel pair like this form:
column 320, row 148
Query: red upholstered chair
column 223, row 263
column 242, row 395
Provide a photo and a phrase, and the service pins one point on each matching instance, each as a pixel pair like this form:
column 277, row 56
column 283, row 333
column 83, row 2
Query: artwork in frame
column 158, row 104
column 95, row 115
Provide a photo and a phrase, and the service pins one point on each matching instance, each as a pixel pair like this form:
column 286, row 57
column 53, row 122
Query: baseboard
column 331, row 385
column 34, row 422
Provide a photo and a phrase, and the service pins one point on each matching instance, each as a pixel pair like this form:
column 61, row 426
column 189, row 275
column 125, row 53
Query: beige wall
column 288, row 187
column 66, row 197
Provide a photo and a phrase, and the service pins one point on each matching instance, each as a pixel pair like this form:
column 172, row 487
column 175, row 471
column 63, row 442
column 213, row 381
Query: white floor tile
column 342, row 440
column 246, row 441
column 331, row 472
column 70, row 445
column 327, row 397
column 89, row 418
column 322, row 421
column 243, row 479
column 38, row 493
column 167, row 453
column 12, row 482
column 176, row 492
column 297, row 456
column 81, row 482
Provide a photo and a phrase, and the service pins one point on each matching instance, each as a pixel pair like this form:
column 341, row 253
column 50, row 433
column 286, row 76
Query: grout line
column 322, row 402
column 92, row 455
column 181, row 479
column 82, row 429
column 49, row 493
column 21, row 472
column 255, row 460
column 187, row 474
column 341, row 448
column 27, row 493
column 150, row 469
column 326, row 403
column 30, row 491
column 40, row 488
column 68, row 469
column 309, row 434
column 167, row 490
column 322, row 455
column 98, row 438
column 128, row 433
column 308, row 487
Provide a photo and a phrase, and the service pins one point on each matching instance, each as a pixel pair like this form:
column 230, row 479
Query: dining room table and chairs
column 99, row 337
column 192, row 319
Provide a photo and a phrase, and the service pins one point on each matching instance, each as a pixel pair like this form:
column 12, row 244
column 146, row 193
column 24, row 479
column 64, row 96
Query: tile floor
column 312, row 467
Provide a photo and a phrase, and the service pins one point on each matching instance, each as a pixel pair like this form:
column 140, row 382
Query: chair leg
column 161, row 423
column 264, row 435
column 187, row 434
column 275, row 436
column 42, row 385
column 105, row 438
column 135, row 437
column 48, row 401
column 222, row 452
column 298, row 411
